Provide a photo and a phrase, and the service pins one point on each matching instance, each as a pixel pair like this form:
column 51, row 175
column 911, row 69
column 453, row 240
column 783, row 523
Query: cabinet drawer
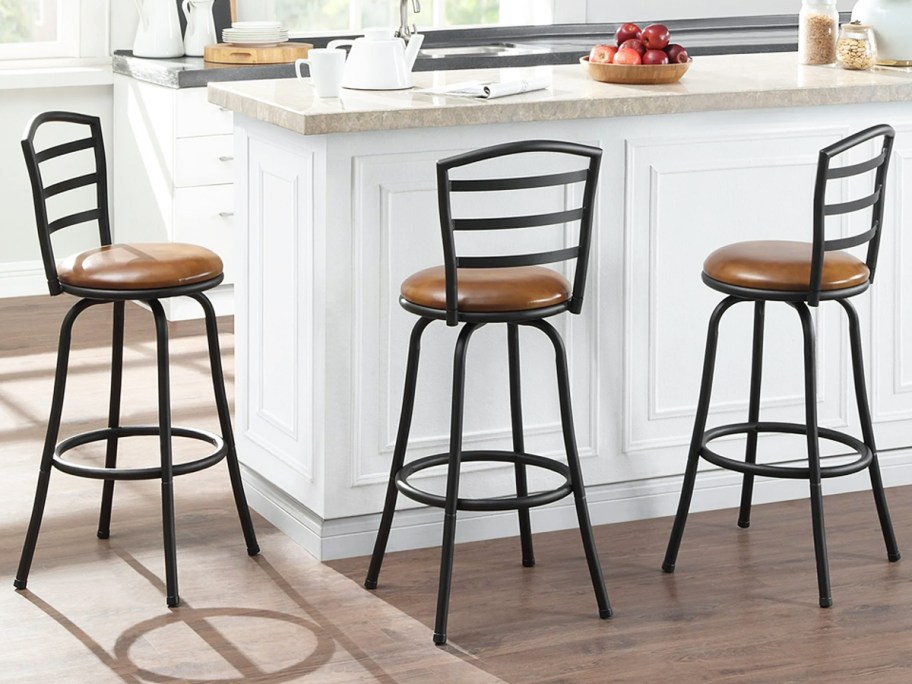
column 195, row 115
column 205, row 216
column 207, row 160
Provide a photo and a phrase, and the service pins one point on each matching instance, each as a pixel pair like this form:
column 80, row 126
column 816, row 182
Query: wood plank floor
column 741, row 606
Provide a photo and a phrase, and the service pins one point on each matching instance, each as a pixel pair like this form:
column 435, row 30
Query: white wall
column 598, row 11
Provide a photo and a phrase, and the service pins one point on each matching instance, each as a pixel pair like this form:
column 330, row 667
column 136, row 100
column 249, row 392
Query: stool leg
column 224, row 415
column 164, row 427
column 576, row 474
column 867, row 429
column 696, row 440
column 107, row 492
column 522, row 488
column 753, row 414
column 813, row 444
column 50, row 442
column 452, row 483
column 405, row 424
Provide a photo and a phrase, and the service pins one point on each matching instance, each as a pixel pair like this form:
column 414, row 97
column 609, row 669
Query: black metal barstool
column 802, row 275
column 114, row 274
column 513, row 289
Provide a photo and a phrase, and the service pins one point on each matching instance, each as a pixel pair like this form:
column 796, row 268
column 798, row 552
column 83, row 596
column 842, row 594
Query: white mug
column 326, row 66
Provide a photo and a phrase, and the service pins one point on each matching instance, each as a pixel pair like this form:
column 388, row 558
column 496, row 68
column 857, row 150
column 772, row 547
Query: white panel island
column 336, row 205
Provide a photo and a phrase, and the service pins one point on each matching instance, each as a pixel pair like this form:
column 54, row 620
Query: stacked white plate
column 255, row 33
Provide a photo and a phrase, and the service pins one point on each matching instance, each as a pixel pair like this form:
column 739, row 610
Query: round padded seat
column 140, row 266
column 489, row 289
column 782, row 265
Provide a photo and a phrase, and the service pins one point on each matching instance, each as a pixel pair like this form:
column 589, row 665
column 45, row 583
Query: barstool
column 800, row 274
column 509, row 288
column 114, row 274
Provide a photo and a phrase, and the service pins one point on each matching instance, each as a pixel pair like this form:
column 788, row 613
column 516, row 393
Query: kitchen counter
column 518, row 46
column 335, row 204
column 713, row 83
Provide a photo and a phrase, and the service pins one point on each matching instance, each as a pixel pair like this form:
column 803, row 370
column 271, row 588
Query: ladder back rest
column 585, row 157
column 83, row 132
column 876, row 169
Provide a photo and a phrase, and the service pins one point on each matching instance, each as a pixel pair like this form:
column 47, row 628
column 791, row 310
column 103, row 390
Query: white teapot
column 379, row 60
column 892, row 22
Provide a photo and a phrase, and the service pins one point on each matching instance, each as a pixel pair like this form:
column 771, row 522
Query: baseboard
column 22, row 279
column 610, row 503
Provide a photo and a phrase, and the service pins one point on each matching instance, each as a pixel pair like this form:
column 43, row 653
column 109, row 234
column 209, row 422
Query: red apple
column 602, row 54
column 627, row 55
column 655, row 36
column 655, row 57
column 625, row 32
column 634, row 44
column 676, row 54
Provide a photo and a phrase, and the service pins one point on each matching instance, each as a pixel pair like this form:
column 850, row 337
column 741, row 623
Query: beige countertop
column 713, row 83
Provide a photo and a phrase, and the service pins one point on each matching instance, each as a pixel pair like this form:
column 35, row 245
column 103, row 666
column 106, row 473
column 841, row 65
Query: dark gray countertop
column 517, row 46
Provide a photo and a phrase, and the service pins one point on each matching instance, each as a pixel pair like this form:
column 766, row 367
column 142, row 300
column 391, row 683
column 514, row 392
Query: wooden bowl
column 635, row 74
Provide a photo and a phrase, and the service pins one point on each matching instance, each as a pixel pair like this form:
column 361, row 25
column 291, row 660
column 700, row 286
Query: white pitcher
column 200, row 26
column 158, row 33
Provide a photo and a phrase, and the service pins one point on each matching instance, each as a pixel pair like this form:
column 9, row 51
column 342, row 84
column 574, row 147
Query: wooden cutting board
column 223, row 53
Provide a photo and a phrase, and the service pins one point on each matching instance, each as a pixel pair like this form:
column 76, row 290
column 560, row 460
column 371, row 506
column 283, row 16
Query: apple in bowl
column 602, row 54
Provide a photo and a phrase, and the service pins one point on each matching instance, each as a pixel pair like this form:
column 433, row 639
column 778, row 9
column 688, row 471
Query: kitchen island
column 336, row 205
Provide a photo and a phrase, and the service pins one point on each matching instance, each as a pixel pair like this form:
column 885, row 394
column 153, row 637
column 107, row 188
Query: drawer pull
column 226, row 158
column 226, row 214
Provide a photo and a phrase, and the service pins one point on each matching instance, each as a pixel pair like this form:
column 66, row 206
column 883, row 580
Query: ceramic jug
column 158, row 33
column 200, row 26
column 379, row 60
column 892, row 23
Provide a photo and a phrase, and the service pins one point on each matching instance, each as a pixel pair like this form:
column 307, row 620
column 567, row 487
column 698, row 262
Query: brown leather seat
column 782, row 265
column 489, row 290
column 140, row 266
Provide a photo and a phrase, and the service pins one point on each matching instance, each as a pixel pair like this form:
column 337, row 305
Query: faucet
column 405, row 31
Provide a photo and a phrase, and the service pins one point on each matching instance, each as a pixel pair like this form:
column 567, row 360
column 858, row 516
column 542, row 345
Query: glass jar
column 818, row 25
column 856, row 48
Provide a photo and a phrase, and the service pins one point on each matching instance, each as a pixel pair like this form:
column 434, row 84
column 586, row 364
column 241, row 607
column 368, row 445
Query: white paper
column 490, row 90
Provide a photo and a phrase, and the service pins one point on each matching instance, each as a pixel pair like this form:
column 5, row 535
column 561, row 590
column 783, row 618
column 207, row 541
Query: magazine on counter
column 488, row 90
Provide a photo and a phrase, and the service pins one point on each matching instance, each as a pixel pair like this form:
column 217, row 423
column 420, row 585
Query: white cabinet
column 332, row 224
column 173, row 172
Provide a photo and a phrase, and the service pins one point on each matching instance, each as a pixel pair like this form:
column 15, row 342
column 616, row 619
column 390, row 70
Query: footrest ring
column 136, row 473
column 865, row 455
column 506, row 503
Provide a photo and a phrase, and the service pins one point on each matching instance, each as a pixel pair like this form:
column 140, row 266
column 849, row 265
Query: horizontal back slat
column 851, row 241
column 854, row 205
column 514, row 260
column 73, row 219
column 856, row 169
column 65, row 148
column 70, row 184
column 507, row 222
column 493, row 184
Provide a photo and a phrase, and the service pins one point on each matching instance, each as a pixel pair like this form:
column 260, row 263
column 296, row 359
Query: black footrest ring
column 506, row 503
column 136, row 473
column 865, row 455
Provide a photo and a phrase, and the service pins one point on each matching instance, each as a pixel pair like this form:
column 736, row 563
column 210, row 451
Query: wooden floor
column 741, row 607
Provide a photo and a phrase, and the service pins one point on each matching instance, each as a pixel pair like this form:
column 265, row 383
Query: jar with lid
column 818, row 25
column 856, row 48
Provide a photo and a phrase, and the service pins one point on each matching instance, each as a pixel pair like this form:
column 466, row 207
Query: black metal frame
column 455, row 456
column 53, row 451
column 800, row 301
